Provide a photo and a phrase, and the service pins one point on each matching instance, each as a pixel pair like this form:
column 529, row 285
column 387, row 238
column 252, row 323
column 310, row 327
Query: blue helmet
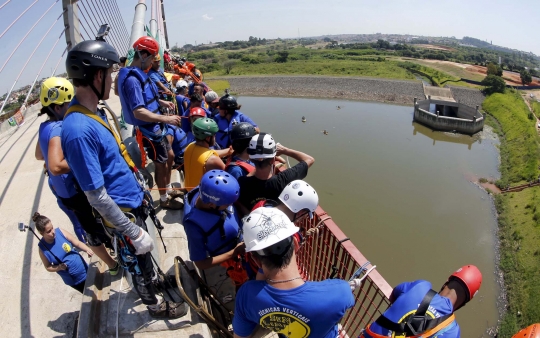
column 219, row 187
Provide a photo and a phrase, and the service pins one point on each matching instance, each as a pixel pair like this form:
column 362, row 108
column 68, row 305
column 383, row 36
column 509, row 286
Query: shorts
column 158, row 152
column 95, row 234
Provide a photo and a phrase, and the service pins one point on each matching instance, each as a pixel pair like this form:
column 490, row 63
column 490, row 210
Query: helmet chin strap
column 58, row 117
column 98, row 94
column 142, row 60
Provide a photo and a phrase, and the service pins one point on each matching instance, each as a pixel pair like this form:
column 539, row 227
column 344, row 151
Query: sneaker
column 171, row 203
column 169, row 310
column 176, row 193
column 114, row 271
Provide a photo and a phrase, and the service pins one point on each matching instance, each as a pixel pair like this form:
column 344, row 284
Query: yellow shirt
column 195, row 158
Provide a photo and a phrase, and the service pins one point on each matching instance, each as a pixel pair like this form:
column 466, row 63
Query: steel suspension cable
column 84, row 29
column 58, row 63
column 42, row 66
column 87, row 23
column 121, row 19
column 114, row 27
column 119, row 22
column 5, row 3
column 17, row 19
column 114, row 22
column 101, row 16
column 28, row 60
column 96, row 26
column 28, row 33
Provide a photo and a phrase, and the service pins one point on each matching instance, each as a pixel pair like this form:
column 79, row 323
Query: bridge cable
column 120, row 21
column 100, row 16
column 28, row 60
column 58, row 63
column 42, row 66
column 96, row 26
column 28, row 33
column 5, row 3
column 115, row 23
column 114, row 27
column 84, row 28
column 87, row 23
column 17, row 19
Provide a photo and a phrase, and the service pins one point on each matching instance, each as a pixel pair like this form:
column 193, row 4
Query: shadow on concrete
column 59, row 324
column 15, row 142
column 26, row 330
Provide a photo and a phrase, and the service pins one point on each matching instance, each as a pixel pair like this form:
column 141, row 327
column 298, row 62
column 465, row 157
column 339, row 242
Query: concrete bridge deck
column 36, row 303
column 438, row 93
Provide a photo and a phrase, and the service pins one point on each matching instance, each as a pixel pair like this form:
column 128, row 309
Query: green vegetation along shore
column 518, row 213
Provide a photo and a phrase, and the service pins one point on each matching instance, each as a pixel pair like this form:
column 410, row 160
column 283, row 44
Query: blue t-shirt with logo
column 225, row 127
column 94, row 158
column 311, row 310
column 408, row 297
column 63, row 250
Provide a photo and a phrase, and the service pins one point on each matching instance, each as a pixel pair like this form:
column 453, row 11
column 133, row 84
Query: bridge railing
column 328, row 252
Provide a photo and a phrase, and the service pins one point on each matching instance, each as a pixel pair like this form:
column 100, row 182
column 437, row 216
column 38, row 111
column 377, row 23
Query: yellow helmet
column 56, row 90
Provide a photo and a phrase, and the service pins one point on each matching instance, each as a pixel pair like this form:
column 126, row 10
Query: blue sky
column 508, row 23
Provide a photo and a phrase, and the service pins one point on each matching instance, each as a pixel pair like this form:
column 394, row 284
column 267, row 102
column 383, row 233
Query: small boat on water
column 304, row 119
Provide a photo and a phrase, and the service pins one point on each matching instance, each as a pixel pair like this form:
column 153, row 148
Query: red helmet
column 532, row 331
column 471, row 277
column 176, row 77
column 146, row 43
column 197, row 111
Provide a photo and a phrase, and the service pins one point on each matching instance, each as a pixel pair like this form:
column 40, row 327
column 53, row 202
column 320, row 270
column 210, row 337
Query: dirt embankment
column 364, row 89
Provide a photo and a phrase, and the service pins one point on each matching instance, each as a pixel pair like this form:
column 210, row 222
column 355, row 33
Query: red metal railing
column 328, row 250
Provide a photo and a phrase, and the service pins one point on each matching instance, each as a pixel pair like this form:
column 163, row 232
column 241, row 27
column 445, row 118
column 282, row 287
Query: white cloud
column 207, row 17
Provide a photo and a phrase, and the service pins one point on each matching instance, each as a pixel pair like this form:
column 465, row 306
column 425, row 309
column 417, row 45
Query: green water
column 401, row 192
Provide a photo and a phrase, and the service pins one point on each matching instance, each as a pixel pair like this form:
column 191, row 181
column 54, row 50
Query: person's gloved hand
column 143, row 243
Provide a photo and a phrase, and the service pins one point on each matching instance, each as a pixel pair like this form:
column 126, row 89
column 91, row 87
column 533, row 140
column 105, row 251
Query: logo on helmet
column 99, row 57
column 216, row 199
column 296, row 185
column 286, row 197
column 53, row 94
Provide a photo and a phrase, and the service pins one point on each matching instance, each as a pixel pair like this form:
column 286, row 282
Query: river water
column 401, row 192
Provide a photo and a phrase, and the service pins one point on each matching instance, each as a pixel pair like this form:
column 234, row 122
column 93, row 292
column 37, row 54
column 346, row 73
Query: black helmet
column 183, row 59
column 242, row 131
column 228, row 102
column 85, row 58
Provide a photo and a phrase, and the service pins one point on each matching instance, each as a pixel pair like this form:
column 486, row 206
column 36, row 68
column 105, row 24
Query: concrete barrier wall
column 28, row 112
column 443, row 123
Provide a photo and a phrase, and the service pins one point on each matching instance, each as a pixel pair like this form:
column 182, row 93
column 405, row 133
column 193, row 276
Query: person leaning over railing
column 283, row 302
column 417, row 310
column 263, row 183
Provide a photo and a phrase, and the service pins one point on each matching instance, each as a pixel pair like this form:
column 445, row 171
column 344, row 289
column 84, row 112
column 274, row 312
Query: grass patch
column 519, row 147
column 380, row 69
column 535, row 107
column 519, row 235
column 218, row 86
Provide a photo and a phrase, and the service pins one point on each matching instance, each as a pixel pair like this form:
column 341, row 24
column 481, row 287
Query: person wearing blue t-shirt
column 141, row 107
column 212, row 100
column 227, row 118
column 283, row 302
column 158, row 77
column 418, row 310
column 239, row 163
column 178, row 141
column 57, row 244
column 94, row 156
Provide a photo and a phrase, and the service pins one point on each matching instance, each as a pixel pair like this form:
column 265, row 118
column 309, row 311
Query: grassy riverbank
column 518, row 213
column 519, row 146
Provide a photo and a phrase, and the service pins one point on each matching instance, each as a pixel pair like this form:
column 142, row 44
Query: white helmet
column 265, row 227
column 181, row 83
column 299, row 195
column 262, row 146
